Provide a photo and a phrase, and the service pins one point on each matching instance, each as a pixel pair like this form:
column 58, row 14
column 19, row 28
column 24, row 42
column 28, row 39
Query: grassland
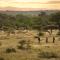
column 35, row 50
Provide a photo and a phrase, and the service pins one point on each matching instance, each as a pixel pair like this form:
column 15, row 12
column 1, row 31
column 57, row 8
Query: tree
column 55, row 19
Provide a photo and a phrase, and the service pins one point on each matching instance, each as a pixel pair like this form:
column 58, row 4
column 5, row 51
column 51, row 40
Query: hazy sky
column 45, row 4
column 24, row 0
column 43, row 1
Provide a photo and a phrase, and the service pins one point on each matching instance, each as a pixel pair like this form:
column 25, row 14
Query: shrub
column 9, row 50
column 0, row 43
column 47, row 55
column 1, row 58
column 58, row 33
column 22, row 42
column 13, row 50
column 40, row 34
column 23, row 45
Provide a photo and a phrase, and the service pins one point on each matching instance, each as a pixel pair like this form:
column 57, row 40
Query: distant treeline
column 9, row 22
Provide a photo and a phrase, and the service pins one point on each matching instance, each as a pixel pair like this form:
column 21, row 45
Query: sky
column 33, row 4
column 42, row 1
column 24, row 0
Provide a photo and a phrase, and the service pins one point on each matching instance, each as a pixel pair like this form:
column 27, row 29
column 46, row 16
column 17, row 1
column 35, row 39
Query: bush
column 13, row 50
column 23, row 45
column 9, row 50
column 22, row 42
column 0, row 43
column 40, row 34
column 1, row 58
column 58, row 33
column 47, row 55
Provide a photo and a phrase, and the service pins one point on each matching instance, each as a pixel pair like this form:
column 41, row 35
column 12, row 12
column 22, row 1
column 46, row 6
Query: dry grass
column 37, row 50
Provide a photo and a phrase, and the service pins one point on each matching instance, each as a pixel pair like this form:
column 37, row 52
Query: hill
column 27, row 12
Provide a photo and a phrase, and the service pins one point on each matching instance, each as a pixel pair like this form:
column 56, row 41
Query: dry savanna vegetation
column 25, row 37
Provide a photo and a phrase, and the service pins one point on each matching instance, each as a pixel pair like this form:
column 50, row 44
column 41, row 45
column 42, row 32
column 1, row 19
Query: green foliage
column 55, row 18
column 8, row 22
column 18, row 21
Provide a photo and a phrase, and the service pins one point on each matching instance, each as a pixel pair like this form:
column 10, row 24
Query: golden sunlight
column 42, row 4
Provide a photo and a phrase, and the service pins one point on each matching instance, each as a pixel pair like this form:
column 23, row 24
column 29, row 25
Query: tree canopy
column 29, row 22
